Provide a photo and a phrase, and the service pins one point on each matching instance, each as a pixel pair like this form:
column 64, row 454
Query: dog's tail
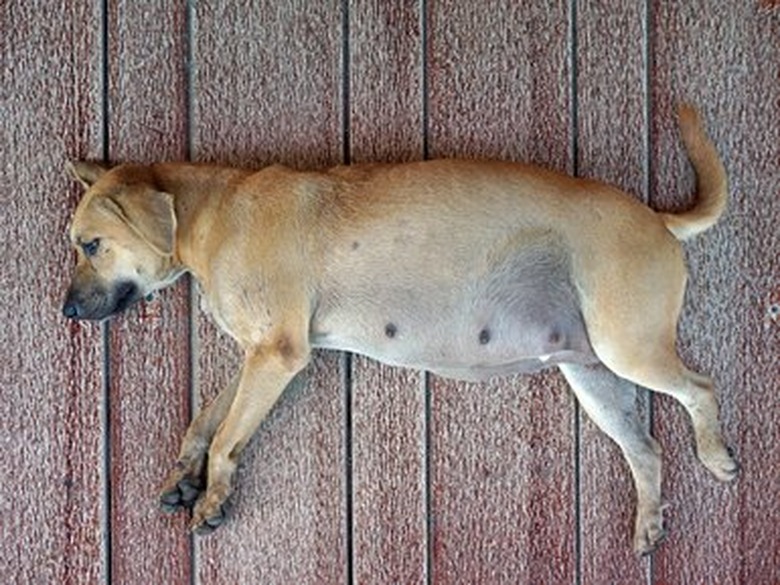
column 712, row 184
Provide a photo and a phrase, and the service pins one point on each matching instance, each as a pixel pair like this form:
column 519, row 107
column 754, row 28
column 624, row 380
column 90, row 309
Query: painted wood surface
column 365, row 473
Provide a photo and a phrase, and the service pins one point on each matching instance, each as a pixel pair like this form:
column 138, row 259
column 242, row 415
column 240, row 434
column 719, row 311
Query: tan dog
column 468, row 269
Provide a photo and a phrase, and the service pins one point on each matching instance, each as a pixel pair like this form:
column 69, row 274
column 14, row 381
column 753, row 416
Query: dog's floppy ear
column 151, row 215
column 85, row 172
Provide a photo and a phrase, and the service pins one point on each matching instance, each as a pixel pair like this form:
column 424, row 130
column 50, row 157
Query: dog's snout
column 92, row 301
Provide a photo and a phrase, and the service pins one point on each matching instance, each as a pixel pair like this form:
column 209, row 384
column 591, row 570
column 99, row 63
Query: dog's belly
column 461, row 320
column 472, row 345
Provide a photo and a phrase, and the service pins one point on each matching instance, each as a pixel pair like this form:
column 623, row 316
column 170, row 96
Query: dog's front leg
column 267, row 370
column 610, row 402
column 188, row 478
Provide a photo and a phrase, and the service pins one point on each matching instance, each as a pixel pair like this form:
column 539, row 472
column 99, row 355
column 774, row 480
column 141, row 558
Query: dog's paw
column 210, row 511
column 181, row 489
column 646, row 542
column 721, row 464
column 649, row 532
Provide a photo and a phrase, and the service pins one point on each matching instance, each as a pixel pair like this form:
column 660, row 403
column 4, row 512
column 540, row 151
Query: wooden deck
column 365, row 473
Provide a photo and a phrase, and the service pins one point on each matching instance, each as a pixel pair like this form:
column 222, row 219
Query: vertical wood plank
column 502, row 453
column 724, row 56
column 268, row 89
column 388, row 404
column 612, row 128
column 502, row 481
column 149, row 367
column 51, row 479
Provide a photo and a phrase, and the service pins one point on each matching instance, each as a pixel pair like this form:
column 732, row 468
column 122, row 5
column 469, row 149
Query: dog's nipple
column 555, row 339
column 390, row 330
column 484, row 336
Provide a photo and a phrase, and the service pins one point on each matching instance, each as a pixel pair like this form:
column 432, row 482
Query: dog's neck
column 197, row 191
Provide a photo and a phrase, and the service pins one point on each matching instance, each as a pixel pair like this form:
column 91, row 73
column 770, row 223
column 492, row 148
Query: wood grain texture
column 724, row 56
column 755, row 179
column 267, row 85
column 389, row 528
column 502, row 500
column 388, row 462
column 51, row 479
column 149, row 353
column 385, row 81
column 502, row 454
column 612, row 135
column 267, row 89
column 499, row 81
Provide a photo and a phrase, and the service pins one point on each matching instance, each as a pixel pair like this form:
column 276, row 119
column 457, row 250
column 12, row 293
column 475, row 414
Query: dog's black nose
column 71, row 308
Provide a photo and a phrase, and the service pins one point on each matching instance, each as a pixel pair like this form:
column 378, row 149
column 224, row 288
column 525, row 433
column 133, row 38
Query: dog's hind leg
column 610, row 403
column 631, row 310
column 659, row 368
column 188, row 478
column 637, row 343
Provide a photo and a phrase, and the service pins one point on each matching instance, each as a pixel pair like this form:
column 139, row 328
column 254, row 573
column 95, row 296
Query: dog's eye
column 90, row 248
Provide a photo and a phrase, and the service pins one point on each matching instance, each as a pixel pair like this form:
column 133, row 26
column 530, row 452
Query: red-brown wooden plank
column 724, row 56
column 149, row 368
column 388, row 404
column 388, row 461
column 611, row 77
column 51, row 478
column 268, row 89
column 503, row 500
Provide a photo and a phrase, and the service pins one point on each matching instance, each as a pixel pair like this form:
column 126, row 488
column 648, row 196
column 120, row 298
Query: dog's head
column 124, row 232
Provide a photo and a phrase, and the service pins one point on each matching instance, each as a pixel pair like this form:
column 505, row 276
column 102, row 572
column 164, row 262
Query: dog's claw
column 203, row 529
column 650, row 532
column 650, row 541
column 170, row 502
column 735, row 469
column 206, row 527
column 169, row 508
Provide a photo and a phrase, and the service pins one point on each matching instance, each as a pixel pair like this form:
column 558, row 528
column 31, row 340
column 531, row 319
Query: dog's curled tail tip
column 688, row 115
column 712, row 183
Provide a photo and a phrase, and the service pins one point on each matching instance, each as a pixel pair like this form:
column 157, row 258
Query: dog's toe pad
column 189, row 490
column 169, row 508
column 208, row 525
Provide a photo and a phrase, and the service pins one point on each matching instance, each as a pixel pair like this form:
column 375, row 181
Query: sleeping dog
column 469, row 269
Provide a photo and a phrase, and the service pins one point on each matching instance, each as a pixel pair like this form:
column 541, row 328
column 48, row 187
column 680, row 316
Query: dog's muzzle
column 96, row 303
